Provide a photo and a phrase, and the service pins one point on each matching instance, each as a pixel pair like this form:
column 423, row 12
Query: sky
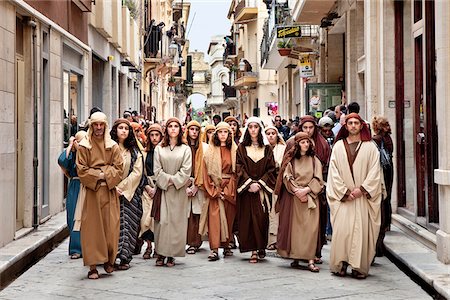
column 207, row 18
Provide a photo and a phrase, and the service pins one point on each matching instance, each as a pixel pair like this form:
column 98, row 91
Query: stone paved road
column 58, row 277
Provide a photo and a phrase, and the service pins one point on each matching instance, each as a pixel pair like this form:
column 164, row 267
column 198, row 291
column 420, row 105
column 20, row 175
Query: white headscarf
column 261, row 125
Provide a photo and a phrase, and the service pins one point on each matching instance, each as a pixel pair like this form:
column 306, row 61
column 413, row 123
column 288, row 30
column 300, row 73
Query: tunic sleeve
column 288, row 179
column 161, row 177
column 208, row 184
column 63, row 161
column 316, row 184
column 337, row 189
column 244, row 179
column 130, row 183
column 114, row 171
column 371, row 184
column 184, row 173
column 89, row 177
column 268, row 180
column 230, row 190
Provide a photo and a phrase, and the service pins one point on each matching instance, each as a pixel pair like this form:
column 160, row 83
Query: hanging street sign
column 289, row 31
column 305, row 65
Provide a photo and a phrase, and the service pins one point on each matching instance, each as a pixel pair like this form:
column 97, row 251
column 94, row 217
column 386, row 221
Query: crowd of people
column 259, row 187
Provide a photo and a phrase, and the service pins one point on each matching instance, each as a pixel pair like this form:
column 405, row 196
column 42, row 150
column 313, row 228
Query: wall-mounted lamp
column 173, row 49
column 242, row 65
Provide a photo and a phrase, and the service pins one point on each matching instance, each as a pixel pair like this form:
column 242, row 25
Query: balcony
column 311, row 12
column 246, row 11
column 229, row 92
column 246, row 80
column 83, row 5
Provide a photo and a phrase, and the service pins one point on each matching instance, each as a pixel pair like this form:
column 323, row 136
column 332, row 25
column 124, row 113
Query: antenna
column 193, row 18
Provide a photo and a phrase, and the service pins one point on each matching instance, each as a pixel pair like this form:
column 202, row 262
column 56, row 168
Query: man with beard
column 100, row 168
column 354, row 194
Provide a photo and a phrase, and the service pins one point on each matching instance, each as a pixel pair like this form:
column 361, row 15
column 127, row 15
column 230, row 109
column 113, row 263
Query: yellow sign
column 289, row 32
column 305, row 65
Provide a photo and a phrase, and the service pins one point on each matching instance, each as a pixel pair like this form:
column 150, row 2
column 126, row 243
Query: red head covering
column 321, row 147
column 365, row 132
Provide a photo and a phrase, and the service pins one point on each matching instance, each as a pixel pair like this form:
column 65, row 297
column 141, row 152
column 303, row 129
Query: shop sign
column 305, row 65
column 289, row 32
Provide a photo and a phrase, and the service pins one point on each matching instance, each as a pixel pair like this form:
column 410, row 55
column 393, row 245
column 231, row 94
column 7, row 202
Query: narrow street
column 58, row 277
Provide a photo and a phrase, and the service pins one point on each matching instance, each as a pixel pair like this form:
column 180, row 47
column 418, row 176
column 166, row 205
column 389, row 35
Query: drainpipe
column 33, row 25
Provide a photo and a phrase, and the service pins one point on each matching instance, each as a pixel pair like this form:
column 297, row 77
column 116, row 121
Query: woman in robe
column 255, row 167
column 68, row 164
column 207, row 133
column 154, row 136
column 219, row 209
column 195, row 189
column 130, row 191
column 301, row 174
column 383, row 132
column 278, row 146
column 234, row 124
column 172, row 167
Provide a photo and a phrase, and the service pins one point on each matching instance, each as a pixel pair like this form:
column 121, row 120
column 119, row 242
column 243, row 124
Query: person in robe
column 195, row 189
column 154, row 136
column 68, row 164
column 100, row 169
column 130, row 191
column 219, row 209
column 234, row 124
column 383, row 139
column 255, row 167
column 207, row 133
column 354, row 195
column 139, row 135
column 278, row 145
column 172, row 167
column 322, row 149
column 301, row 174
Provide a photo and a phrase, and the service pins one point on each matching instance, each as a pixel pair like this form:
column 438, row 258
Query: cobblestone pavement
column 194, row 277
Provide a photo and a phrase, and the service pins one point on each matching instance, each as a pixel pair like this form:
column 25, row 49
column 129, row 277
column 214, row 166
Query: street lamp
column 173, row 49
column 242, row 65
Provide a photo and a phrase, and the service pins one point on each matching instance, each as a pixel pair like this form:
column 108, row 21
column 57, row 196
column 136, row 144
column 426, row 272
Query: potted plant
column 284, row 47
column 172, row 81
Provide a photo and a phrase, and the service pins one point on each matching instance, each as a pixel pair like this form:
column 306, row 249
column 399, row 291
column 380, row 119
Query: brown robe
column 100, row 221
column 356, row 223
column 218, row 215
column 254, row 164
column 301, row 221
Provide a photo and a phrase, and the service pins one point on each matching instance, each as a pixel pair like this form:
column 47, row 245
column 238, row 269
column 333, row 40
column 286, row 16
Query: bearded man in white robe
column 354, row 190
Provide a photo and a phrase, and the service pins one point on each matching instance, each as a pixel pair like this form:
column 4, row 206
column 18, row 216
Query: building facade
column 257, row 87
column 57, row 65
column 392, row 58
column 165, row 58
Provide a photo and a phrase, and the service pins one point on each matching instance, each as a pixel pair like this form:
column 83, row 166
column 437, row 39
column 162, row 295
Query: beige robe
column 356, row 223
column 304, row 216
column 100, row 220
column 170, row 232
column 278, row 152
column 130, row 181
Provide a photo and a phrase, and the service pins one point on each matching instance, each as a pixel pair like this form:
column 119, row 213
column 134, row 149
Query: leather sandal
column 147, row 253
column 227, row 252
column 261, row 254
column 253, row 258
column 191, row 250
column 295, row 264
column 75, row 256
column 93, row 274
column 272, row 247
column 213, row 256
column 108, row 268
column 170, row 262
column 343, row 271
column 313, row 268
column 358, row 275
column 160, row 261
